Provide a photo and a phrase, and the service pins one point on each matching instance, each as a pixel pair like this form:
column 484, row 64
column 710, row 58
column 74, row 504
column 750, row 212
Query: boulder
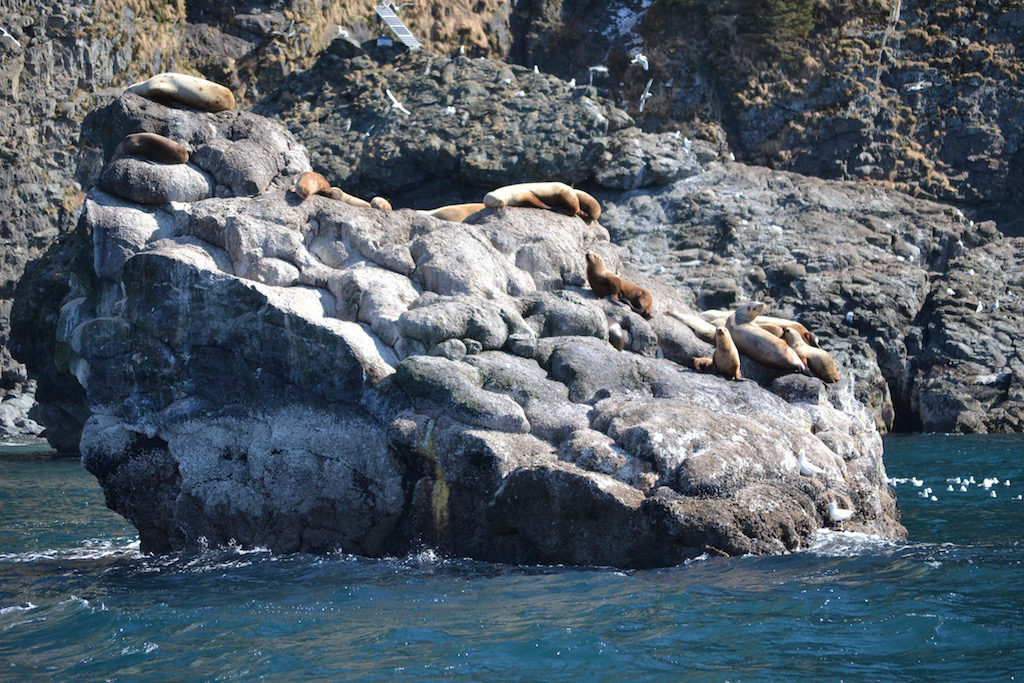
column 315, row 376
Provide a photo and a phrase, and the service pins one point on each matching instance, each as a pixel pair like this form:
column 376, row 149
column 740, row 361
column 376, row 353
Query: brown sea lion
column 756, row 343
column 456, row 212
column 380, row 203
column 818, row 360
column 550, row 195
column 174, row 89
column 310, row 183
column 606, row 283
column 152, row 147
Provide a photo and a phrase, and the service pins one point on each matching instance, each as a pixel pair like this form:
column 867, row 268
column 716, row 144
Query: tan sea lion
column 704, row 330
column 770, row 323
column 342, row 196
column 704, row 364
column 310, row 183
column 783, row 323
column 174, row 89
column 818, row 360
column 152, row 147
column 456, row 212
column 590, row 208
column 550, row 195
column 756, row 343
column 606, row 283
column 726, row 359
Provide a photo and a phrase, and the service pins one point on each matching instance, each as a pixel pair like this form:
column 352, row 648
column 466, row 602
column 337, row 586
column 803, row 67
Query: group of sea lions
column 553, row 195
column 774, row 342
column 172, row 90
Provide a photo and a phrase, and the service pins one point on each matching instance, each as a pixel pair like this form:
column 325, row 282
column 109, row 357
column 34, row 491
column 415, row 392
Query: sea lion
column 704, row 330
column 770, row 323
column 726, row 357
column 456, row 212
column 606, row 283
column 818, row 360
column 550, row 195
column 590, row 208
column 174, row 89
column 783, row 323
column 756, row 343
column 704, row 364
column 617, row 336
column 725, row 360
column 152, row 147
column 342, row 196
column 310, row 183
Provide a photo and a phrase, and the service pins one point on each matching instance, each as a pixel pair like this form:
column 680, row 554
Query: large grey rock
column 868, row 269
column 310, row 375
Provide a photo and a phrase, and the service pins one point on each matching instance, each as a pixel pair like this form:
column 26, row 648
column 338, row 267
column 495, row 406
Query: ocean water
column 79, row 602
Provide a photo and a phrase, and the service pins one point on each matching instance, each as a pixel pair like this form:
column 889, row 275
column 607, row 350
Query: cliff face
column 920, row 96
column 922, row 100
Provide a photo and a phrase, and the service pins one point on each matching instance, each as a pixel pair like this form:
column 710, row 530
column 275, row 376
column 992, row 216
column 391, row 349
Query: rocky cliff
column 303, row 374
column 870, row 266
column 917, row 97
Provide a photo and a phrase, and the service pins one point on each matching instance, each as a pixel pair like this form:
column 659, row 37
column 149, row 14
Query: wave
column 27, row 607
column 91, row 549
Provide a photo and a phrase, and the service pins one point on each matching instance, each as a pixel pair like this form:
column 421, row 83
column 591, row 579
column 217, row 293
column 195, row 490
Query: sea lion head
column 594, row 261
column 310, row 183
column 721, row 334
column 380, row 203
column 791, row 337
column 748, row 312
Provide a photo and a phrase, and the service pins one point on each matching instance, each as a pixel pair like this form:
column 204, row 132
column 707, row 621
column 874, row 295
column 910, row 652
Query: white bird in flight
column 395, row 104
column 641, row 59
column 646, row 94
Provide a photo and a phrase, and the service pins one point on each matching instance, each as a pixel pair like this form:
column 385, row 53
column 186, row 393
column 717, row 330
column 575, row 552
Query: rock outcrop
column 856, row 97
column 861, row 262
column 309, row 375
column 915, row 299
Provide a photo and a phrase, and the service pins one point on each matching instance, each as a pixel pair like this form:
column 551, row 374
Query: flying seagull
column 395, row 104
column 646, row 94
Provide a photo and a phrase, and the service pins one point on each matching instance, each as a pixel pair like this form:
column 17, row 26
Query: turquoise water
column 78, row 601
